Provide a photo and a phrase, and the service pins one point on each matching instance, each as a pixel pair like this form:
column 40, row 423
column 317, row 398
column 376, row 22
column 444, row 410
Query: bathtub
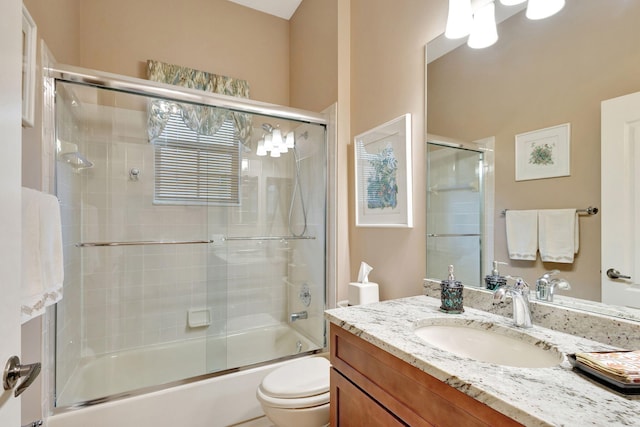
column 207, row 400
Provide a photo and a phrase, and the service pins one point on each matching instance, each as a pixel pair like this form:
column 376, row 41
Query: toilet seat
column 297, row 403
column 300, row 384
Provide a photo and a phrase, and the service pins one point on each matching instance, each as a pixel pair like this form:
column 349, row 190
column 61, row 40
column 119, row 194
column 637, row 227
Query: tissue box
column 362, row 293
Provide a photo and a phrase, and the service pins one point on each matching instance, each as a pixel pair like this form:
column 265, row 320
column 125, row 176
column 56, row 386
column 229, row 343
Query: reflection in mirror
column 541, row 74
column 459, row 193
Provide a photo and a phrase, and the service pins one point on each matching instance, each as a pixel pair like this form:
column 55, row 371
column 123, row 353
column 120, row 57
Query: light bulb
column 484, row 32
column 459, row 19
column 261, row 151
column 511, row 2
column 275, row 153
column 276, row 136
column 284, row 148
column 540, row 9
column 290, row 140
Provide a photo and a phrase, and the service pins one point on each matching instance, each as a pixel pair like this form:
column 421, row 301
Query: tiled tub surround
column 554, row 396
column 619, row 327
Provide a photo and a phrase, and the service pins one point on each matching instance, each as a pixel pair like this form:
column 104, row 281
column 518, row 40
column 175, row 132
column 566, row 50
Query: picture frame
column 29, row 32
column 543, row 153
column 383, row 181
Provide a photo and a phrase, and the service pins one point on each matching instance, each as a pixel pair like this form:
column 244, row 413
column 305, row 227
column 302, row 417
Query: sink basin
column 486, row 342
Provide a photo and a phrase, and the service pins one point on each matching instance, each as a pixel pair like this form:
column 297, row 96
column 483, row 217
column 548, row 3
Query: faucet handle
column 550, row 273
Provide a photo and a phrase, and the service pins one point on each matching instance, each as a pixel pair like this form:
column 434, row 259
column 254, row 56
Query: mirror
column 541, row 74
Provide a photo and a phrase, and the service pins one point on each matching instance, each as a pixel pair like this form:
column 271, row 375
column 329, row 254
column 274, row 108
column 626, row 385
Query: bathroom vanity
column 384, row 374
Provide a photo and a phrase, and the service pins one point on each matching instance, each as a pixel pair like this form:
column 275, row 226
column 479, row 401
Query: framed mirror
column 542, row 74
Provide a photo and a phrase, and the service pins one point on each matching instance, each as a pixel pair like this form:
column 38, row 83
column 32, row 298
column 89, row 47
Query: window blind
column 191, row 168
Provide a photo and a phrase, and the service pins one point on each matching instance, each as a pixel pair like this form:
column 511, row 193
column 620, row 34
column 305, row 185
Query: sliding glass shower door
column 454, row 212
column 189, row 251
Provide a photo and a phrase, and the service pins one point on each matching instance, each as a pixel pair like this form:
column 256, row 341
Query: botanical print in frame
column 543, row 153
column 383, row 175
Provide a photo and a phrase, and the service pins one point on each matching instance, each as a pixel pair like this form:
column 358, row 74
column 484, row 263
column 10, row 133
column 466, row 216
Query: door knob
column 612, row 273
column 14, row 371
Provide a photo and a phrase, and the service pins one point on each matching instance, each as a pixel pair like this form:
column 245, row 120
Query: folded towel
column 621, row 365
column 42, row 265
column 558, row 235
column 522, row 234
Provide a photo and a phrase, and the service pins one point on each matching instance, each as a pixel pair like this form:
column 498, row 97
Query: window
column 191, row 168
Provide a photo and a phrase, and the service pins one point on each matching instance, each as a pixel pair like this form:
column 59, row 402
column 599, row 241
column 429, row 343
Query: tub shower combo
column 195, row 235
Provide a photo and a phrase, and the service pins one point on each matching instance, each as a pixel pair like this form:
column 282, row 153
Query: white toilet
column 297, row 393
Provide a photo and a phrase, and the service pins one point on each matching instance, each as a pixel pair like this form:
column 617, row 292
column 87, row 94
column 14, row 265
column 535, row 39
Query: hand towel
column 42, row 264
column 558, row 235
column 522, row 234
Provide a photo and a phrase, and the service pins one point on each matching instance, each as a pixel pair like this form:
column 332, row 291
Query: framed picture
column 543, row 153
column 383, row 175
column 28, row 68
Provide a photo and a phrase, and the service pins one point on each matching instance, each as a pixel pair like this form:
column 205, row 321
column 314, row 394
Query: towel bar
column 591, row 210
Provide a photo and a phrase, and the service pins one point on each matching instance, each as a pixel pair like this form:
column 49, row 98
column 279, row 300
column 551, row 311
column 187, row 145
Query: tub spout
column 299, row 315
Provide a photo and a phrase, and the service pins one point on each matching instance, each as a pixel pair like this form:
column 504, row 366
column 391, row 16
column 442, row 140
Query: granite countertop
column 555, row 396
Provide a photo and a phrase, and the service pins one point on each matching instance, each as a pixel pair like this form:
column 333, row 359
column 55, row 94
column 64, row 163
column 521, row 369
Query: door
column 10, row 176
column 620, row 163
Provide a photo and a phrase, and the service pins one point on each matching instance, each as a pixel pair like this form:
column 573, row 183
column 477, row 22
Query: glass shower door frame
column 484, row 148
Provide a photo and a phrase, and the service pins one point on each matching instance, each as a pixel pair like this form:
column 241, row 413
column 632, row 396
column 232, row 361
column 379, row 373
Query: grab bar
column 187, row 242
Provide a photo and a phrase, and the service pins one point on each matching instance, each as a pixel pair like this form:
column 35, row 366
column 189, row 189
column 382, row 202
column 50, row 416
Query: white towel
column 42, row 265
column 522, row 234
column 558, row 235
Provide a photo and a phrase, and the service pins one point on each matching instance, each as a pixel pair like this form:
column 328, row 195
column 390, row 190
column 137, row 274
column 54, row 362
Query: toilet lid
column 302, row 378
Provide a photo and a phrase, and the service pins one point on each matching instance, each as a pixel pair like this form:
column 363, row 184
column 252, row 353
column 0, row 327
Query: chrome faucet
column 546, row 286
column 297, row 316
column 519, row 298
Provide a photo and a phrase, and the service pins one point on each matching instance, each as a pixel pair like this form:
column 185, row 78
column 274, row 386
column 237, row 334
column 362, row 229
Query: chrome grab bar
column 188, row 242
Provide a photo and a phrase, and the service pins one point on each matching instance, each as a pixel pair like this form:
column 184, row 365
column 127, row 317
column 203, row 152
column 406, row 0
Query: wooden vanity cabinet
column 370, row 387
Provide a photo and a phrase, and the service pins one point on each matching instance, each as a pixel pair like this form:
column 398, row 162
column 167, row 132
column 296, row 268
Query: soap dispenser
column 494, row 280
column 451, row 294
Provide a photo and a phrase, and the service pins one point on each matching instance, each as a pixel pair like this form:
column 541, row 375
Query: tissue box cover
column 362, row 293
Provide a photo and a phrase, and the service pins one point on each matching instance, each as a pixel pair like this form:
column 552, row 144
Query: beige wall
column 314, row 58
column 541, row 74
column 387, row 80
column 211, row 35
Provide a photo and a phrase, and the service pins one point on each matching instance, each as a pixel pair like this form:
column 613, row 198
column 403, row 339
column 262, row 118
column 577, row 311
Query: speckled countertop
column 555, row 396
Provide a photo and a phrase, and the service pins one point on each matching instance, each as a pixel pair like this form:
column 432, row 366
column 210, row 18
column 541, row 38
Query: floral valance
column 201, row 119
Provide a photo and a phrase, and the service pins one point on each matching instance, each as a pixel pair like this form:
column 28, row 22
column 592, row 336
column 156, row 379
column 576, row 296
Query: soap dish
column 619, row 386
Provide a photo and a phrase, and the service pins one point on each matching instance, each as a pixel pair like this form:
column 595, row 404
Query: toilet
column 297, row 393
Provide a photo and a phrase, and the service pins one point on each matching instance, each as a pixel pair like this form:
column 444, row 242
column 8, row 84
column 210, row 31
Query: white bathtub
column 219, row 401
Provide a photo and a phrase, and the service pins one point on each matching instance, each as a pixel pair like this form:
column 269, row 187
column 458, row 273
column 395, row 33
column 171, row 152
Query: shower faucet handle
column 14, row 370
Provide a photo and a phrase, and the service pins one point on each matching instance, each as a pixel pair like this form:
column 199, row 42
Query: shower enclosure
column 455, row 212
column 194, row 231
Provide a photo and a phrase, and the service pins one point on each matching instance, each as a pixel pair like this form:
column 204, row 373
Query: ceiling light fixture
column 273, row 142
column 484, row 31
column 477, row 18
column 459, row 19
